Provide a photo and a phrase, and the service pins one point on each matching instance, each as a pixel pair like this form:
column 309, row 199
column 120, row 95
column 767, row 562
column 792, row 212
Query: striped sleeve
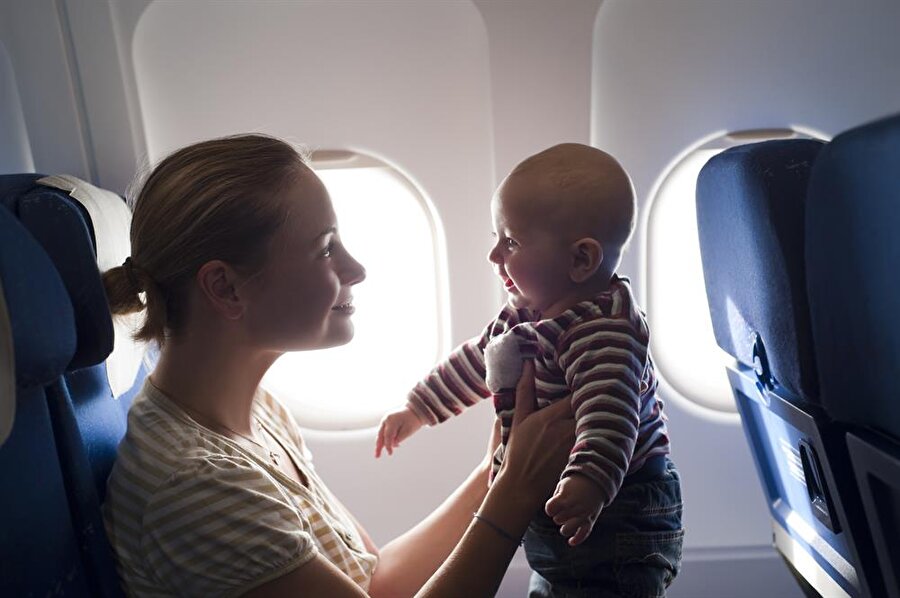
column 603, row 360
column 458, row 382
column 219, row 527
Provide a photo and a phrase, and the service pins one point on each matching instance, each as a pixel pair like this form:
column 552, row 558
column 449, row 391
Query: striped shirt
column 597, row 354
column 189, row 512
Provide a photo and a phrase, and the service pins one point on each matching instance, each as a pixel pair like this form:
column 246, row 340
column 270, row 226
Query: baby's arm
column 603, row 360
column 454, row 384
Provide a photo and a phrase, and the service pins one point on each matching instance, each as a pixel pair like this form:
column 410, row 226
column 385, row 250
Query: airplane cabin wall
column 15, row 151
column 669, row 76
column 453, row 94
column 36, row 39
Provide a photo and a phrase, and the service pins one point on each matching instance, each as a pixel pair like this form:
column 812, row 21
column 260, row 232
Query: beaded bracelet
column 496, row 528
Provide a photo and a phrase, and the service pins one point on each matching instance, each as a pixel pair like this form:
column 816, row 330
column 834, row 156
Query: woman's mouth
column 345, row 308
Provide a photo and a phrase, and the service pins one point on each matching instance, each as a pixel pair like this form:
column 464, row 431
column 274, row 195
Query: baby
column 561, row 219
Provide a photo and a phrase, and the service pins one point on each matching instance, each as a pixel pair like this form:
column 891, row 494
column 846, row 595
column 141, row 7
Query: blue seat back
column 88, row 421
column 39, row 549
column 853, row 254
column 751, row 219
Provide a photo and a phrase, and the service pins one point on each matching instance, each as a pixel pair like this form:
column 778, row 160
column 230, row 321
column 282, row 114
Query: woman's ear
column 587, row 255
column 218, row 282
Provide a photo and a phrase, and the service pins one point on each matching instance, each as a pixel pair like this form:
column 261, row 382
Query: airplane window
column 384, row 221
column 682, row 343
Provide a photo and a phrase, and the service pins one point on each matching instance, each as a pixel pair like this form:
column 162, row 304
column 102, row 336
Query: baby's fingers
column 562, row 515
column 390, row 442
column 570, row 526
column 557, row 506
column 580, row 536
column 379, row 441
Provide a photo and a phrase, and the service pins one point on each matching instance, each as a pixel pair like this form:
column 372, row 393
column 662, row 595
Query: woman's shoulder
column 161, row 442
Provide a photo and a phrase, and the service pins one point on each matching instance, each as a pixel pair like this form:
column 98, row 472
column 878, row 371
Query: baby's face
column 531, row 258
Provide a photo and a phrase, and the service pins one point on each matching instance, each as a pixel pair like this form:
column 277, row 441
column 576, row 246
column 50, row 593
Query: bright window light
column 682, row 341
column 385, row 224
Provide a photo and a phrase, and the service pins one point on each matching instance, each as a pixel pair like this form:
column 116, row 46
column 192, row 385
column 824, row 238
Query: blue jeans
column 634, row 550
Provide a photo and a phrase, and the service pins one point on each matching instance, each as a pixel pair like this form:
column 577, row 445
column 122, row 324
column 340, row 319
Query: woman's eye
column 328, row 250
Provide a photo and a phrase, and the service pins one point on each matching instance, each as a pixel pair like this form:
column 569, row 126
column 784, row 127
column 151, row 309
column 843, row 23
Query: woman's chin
column 338, row 336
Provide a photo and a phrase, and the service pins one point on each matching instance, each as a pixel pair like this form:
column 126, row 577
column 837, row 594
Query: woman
column 236, row 258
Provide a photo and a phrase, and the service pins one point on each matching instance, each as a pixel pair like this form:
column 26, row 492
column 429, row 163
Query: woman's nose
column 353, row 271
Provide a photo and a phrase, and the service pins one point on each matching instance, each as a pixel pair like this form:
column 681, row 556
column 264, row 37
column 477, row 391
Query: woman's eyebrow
column 328, row 231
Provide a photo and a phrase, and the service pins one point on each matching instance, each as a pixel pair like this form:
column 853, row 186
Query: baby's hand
column 396, row 427
column 575, row 507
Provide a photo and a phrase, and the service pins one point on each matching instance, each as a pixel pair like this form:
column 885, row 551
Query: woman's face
column 302, row 299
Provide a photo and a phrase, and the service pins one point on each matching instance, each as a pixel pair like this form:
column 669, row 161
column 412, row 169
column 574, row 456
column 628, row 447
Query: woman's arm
column 404, row 563
column 538, row 449
column 414, row 557
column 408, row 561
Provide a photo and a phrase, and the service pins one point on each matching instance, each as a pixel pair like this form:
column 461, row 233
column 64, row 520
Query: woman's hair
column 214, row 200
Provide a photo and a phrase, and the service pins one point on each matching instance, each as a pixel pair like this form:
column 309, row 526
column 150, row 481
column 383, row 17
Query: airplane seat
column 88, row 411
column 750, row 217
column 39, row 548
column 852, row 256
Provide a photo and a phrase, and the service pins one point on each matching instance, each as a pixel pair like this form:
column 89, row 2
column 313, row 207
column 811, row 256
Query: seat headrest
column 109, row 219
column 61, row 228
column 40, row 314
column 750, row 203
column 853, row 254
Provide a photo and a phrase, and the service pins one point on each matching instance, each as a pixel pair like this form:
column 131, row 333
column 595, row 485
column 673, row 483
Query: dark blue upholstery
column 852, row 254
column 88, row 421
column 750, row 220
column 54, row 220
column 853, row 259
column 39, row 553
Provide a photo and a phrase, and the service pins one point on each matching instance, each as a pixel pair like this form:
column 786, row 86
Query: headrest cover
column 41, row 316
column 853, row 255
column 750, row 202
column 110, row 220
column 59, row 226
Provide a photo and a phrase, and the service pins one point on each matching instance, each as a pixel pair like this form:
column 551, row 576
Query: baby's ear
column 587, row 255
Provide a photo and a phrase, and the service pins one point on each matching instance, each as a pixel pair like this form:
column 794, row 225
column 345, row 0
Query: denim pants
column 633, row 551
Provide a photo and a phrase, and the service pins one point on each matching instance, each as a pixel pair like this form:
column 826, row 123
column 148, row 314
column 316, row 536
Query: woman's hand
column 539, row 445
column 493, row 443
column 539, row 442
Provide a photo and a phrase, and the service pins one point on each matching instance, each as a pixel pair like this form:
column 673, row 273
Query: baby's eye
column 510, row 243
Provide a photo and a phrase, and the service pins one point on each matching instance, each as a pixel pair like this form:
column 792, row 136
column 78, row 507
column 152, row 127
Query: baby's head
column 561, row 218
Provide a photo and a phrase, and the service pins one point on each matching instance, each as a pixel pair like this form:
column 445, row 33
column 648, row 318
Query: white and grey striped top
column 189, row 512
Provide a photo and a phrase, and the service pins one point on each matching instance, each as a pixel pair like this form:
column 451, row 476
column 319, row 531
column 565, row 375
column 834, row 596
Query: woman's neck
column 214, row 378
